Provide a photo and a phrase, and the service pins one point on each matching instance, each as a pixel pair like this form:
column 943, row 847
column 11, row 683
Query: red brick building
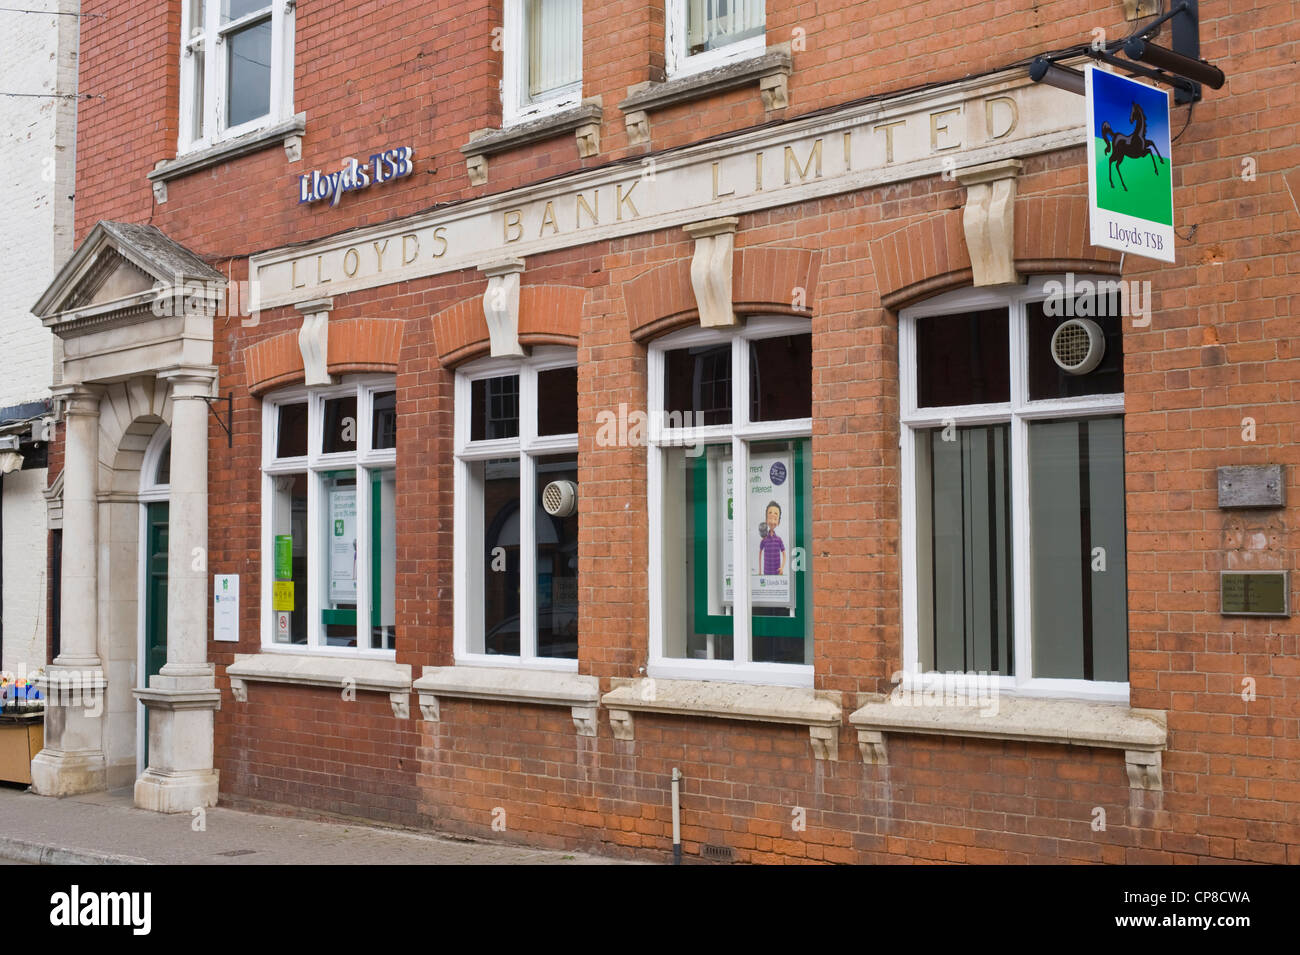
column 626, row 251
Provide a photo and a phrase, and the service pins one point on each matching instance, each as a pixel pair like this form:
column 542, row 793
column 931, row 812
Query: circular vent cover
column 560, row 498
column 1078, row 346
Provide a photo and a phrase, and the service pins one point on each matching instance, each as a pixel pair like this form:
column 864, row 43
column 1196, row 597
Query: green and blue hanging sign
column 1130, row 169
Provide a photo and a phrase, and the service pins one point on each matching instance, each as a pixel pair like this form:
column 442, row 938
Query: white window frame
column 678, row 62
column 516, row 105
column 742, row 668
column 468, row 505
column 212, row 125
column 313, row 463
column 1019, row 412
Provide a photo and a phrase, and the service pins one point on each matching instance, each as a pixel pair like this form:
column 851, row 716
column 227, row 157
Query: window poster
column 772, row 531
column 343, row 545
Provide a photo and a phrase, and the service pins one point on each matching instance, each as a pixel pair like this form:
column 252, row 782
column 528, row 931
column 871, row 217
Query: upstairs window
column 703, row 34
column 543, row 58
column 236, row 68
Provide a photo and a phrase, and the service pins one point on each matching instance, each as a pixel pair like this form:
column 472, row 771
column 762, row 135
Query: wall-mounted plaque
column 1252, row 486
column 1254, row 593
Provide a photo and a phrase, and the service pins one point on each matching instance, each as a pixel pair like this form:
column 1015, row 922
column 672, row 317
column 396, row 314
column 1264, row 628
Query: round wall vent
column 1077, row 346
column 560, row 498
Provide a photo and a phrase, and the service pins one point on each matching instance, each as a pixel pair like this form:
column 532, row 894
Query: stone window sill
column 583, row 121
column 820, row 711
column 1140, row 733
column 289, row 133
column 511, row 685
column 312, row 669
column 770, row 70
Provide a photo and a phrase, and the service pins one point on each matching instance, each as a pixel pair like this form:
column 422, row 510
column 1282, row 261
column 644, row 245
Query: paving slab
column 106, row 829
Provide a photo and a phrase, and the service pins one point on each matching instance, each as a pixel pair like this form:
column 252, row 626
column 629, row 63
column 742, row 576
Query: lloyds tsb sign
column 382, row 167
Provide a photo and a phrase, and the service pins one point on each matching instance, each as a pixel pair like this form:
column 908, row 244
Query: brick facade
column 1218, row 350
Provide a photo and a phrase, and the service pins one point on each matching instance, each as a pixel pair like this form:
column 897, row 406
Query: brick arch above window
column 764, row 280
column 929, row 256
column 356, row 345
column 548, row 315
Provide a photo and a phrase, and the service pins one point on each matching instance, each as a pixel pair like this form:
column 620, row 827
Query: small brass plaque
column 1257, row 593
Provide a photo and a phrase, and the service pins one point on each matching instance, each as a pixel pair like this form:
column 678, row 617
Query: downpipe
column 677, row 816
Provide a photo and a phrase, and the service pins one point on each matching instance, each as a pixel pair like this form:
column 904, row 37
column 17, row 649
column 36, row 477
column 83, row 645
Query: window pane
column 383, row 420
column 780, row 517
column 1046, row 379
column 248, row 84
column 963, row 359
column 1077, row 549
column 557, row 564
column 715, row 23
column 554, row 31
column 494, row 408
column 383, row 559
column 289, row 558
column 557, row 401
column 339, row 576
column 232, row 10
column 164, row 473
column 291, row 439
column 339, row 431
column 964, row 573
column 196, row 116
column 780, row 378
column 493, row 601
column 696, row 604
column 697, row 386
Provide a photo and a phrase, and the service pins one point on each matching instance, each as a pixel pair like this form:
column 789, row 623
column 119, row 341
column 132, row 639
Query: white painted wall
column 37, row 152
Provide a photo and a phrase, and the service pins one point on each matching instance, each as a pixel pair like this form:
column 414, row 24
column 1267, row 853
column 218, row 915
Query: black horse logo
column 1131, row 146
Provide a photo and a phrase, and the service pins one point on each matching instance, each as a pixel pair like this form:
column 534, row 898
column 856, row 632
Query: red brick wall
column 1218, row 350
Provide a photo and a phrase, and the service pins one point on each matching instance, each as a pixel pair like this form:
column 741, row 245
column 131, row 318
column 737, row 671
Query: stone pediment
column 121, row 268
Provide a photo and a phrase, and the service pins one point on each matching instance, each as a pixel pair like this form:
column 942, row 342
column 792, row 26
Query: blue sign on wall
column 382, row 167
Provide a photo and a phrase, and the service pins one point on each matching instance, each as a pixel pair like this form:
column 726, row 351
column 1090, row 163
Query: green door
column 155, row 595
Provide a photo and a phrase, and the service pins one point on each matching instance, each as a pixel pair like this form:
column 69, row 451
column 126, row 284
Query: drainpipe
column 677, row 816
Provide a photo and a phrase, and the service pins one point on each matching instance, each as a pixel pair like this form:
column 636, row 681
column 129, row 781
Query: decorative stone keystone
column 584, row 718
column 314, row 340
column 871, row 745
column 501, row 306
column 1143, row 769
column 989, row 220
column 620, row 721
column 711, row 270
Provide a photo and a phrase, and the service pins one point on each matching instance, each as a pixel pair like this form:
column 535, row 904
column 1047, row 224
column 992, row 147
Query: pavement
column 106, row 829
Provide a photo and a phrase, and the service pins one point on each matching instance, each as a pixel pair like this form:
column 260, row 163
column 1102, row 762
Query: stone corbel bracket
column 501, row 306
column 989, row 220
column 711, row 269
column 314, row 340
column 871, row 744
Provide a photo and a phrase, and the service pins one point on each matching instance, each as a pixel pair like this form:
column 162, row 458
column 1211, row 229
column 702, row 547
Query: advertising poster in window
column 771, row 533
column 343, row 545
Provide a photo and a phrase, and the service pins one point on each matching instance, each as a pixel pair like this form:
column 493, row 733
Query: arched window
column 516, row 510
column 725, row 404
column 1013, row 543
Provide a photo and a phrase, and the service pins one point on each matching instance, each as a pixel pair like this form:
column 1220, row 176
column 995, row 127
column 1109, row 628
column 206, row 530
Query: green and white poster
column 1130, row 170
column 342, row 545
column 771, row 532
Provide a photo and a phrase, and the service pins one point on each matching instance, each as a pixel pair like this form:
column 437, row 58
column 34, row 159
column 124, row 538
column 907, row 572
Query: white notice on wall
column 225, row 608
column 343, row 545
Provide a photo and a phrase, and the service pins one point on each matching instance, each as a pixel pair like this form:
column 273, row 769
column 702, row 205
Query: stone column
column 73, row 758
column 183, row 696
